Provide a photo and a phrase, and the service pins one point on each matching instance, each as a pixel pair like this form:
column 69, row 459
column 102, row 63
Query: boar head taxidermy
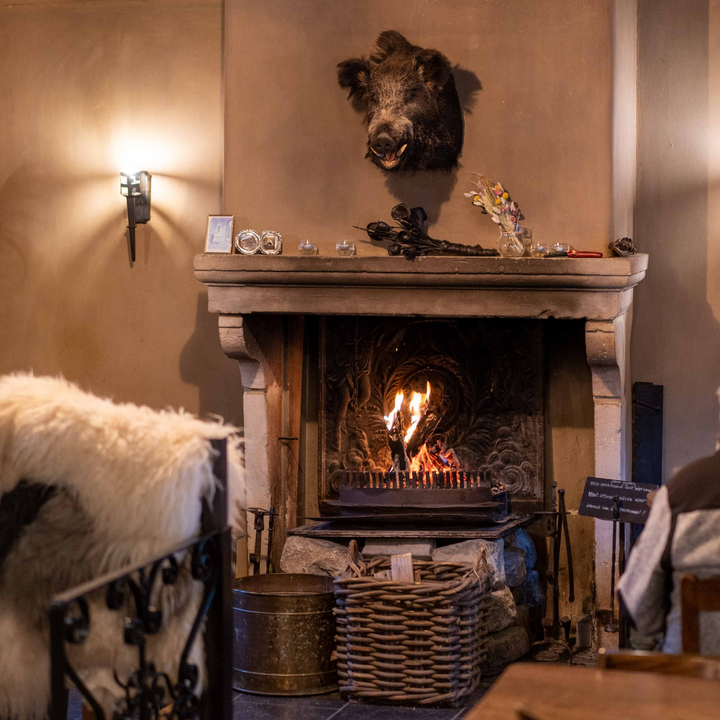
column 412, row 108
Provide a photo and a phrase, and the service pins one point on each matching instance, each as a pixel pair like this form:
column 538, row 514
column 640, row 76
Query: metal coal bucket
column 284, row 635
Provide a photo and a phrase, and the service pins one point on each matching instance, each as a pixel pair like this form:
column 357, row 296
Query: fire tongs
column 259, row 526
column 552, row 647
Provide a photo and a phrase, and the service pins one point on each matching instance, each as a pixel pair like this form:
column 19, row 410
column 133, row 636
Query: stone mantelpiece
column 596, row 289
column 249, row 293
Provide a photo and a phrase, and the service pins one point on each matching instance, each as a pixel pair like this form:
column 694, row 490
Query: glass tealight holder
column 560, row 247
column 527, row 238
column 345, row 249
column 271, row 243
column 308, row 248
column 539, row 249
column 247, row 242
column 512, row 244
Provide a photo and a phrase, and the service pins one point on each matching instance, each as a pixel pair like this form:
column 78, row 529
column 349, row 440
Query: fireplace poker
column 561, row 529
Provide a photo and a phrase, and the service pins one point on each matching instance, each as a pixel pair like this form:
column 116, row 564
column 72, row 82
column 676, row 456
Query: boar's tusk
column 401, row 150
column 377, row 153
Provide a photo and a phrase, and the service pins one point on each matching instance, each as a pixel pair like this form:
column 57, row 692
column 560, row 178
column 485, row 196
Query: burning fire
column 426, row 458
column 390, row 419
column 418, row 405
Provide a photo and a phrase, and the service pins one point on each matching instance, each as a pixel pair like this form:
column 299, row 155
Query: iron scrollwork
column 148, row 690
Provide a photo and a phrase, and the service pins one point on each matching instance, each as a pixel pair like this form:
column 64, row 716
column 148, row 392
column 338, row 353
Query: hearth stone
column 420, row 549
column 522, row 540
column 467, row 552
column 506, row 646
column 522, row 617
column 313, row 557
column 502, row 610
column 515, row 570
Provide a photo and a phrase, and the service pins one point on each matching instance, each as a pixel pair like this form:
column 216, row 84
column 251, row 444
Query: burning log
column 396, row 436
column 416, row 449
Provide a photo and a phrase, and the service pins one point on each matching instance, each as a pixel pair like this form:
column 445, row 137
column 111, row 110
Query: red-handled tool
column 583, row 254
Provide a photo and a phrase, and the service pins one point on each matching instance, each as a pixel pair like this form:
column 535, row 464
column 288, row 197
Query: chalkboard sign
column 597, row 500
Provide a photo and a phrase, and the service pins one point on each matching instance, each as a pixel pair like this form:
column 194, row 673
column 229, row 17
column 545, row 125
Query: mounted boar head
column 412, row 108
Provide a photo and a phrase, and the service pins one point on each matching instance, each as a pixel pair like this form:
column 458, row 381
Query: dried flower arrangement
column 494, row 200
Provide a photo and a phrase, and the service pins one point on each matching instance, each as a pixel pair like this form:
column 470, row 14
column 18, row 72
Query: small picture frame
column 219, row 235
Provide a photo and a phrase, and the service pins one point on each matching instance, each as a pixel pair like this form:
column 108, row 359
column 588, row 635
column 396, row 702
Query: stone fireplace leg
column 606, row 344
column 257, row 352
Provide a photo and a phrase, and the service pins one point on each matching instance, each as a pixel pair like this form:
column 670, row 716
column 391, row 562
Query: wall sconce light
column 135, row 187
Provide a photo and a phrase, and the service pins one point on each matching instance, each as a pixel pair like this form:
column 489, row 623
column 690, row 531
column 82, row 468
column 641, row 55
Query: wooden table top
column 561, row 692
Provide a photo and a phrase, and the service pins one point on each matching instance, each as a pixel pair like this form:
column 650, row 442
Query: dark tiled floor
column 319, row 707
column 325, row 707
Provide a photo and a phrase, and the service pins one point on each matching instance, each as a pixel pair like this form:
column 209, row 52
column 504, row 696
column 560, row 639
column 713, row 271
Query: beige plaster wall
column 87, row 86
column 541, row 124
column 677, row 313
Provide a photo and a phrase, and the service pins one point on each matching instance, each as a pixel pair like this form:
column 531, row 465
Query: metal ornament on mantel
column 412, row 241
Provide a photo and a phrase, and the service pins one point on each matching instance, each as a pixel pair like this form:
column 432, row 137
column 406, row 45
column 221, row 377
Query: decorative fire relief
column 420, row 395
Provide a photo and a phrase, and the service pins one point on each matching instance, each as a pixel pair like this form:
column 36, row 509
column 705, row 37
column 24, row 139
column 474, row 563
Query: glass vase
column 512, row 244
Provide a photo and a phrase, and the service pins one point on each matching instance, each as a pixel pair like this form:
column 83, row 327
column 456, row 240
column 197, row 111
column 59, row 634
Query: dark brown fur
column 412, row 108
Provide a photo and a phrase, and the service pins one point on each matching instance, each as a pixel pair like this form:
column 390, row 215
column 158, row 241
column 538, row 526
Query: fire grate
column 445, row 479
column 403, row 492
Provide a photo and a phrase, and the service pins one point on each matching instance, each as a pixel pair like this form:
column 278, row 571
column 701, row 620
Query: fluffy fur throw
column 127, row 483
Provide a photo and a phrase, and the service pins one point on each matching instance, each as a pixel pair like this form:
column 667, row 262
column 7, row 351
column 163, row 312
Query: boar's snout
column 388, row 150
column 383, row 143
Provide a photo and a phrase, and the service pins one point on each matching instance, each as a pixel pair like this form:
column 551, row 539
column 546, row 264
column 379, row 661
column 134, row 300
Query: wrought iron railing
column 149, row 690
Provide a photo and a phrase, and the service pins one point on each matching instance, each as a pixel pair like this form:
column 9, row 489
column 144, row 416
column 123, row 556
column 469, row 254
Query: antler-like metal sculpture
column 410, row 240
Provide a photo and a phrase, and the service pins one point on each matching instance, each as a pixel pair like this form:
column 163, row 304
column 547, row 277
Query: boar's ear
column 434, row 67
column 389, row 42
column 354, row 75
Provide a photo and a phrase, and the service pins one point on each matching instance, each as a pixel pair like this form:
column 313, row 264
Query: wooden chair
column 698, row 666
column 696, row 596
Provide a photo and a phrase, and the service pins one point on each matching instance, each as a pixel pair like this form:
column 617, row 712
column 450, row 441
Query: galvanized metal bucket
column 284, row 635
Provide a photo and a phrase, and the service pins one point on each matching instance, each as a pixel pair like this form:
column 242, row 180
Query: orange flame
column 435, row 458
column 390, row 419
column 418, row 405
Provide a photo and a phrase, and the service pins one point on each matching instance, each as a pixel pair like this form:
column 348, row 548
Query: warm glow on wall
column 133, row 153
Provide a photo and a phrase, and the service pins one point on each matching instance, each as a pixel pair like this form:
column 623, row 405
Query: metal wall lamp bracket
column 135, row 187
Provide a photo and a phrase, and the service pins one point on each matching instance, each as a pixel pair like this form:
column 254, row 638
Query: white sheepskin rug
column 128, row 483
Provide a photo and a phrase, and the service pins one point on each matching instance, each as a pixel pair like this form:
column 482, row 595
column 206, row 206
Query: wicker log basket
column 418, row 643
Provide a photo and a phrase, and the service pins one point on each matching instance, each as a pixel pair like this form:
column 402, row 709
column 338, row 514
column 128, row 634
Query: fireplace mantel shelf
column 595, row 289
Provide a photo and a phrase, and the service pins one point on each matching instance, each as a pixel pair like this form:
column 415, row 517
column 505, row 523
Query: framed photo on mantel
column 219, row 235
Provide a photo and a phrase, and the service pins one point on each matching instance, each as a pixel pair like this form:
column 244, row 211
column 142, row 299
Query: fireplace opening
column 430, row 420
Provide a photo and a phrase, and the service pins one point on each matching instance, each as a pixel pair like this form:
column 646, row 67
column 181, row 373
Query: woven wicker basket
column 413, row 643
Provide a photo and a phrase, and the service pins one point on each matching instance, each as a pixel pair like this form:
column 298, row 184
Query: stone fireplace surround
column 251, row 295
